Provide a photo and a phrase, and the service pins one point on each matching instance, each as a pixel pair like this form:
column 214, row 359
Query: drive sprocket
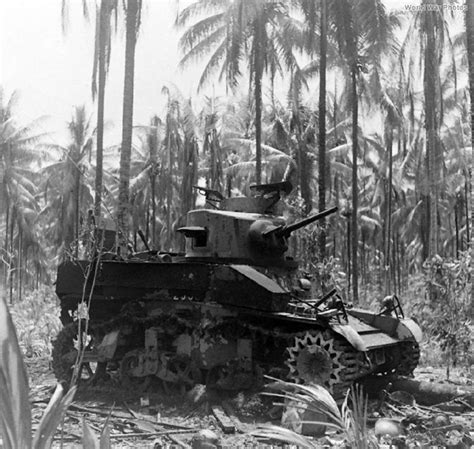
column 324, row 358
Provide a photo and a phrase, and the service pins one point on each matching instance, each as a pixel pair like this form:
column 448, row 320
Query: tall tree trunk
column 258, row 76
column 354, row 226
column 132, row 17
column 388, row 218
column 100, row 108
column 466, row 207
column 169, row 187
column 12, row 249
column 77, row 197
column 470, row 53
column 154, row 171
column 431, row 93
column 322, row 129
column 456, row 228
column 20, row 265
column 7, row 258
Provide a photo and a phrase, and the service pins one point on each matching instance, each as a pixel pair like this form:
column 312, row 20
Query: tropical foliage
column 313, row 405
column 361, row 138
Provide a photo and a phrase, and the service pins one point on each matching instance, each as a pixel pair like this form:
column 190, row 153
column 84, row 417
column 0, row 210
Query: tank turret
column 244, row 229
column 265, row 236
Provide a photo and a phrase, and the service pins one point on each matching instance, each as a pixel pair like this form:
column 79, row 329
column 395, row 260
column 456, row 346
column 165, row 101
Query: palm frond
column 203, row 47
column 199, row 8
column 200, row 31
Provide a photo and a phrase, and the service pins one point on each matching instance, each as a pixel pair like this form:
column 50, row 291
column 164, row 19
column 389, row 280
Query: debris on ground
column 203, row 419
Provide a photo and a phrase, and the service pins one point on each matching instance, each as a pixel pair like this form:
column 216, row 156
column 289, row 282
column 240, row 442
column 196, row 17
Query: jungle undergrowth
column 36, row 319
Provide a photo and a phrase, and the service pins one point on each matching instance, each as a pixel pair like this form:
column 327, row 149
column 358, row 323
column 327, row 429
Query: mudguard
column 408, row 328
column 350, row 335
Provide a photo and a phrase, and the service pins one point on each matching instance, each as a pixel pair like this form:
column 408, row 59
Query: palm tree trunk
column 456, row 229
column 258, row 67
column 169, row 190
column 470, row 52
column 354, row 235
column 77, row 196
column 431, row 69
column 12, row 259
column 466, row 208
column 155, row 121
column 100, row 110
column 153, row 209
column 132, row 17
column 388, row 219
column 7, row 261
column 20, row 266
column 322, row 129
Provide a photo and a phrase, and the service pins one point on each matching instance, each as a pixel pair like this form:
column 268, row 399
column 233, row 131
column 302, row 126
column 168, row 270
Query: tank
column 231, row 308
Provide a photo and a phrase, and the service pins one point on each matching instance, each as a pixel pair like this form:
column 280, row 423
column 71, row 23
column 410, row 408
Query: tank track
column 291, row 350
column 62, row 346
column 409, row 358
column 64, row 353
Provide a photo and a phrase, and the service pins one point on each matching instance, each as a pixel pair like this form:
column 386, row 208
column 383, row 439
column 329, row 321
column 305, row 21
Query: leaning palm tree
column 263, row 27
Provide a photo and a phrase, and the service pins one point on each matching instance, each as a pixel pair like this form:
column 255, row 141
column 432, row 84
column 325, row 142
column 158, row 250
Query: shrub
column 445, row 311
column 36, row 319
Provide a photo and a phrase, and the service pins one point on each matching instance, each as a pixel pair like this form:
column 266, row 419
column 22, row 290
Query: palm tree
column 310, row 12
column 133, row 16
column 148, row 169
column 105, row 14
column 17, row 187
column 322, row 128
column 428, row 36
column 470, row 52
column 363, row 32
column 171, row 152
column 211, row 148
column 262, row 26
column 66, row 184
column 189, row 159
column 102, row 53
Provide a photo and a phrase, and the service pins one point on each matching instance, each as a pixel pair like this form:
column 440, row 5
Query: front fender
column 407, row 328
column 350, row 335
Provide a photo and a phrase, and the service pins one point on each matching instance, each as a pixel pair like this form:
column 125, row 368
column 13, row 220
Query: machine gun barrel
column 285, row 231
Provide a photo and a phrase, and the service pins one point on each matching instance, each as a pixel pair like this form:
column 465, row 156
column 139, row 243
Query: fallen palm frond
column 350, row 419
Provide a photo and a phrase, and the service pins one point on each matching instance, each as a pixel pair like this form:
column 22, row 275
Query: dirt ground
column 156, row 418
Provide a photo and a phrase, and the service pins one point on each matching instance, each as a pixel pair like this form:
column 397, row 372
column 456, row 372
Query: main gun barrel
column 285, row 231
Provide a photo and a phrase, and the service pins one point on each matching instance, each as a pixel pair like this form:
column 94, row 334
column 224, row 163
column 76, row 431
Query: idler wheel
column 64, row 355
column 314, row 358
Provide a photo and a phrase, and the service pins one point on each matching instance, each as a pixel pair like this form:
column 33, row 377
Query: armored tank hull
column 222, row 323
column 229, row 309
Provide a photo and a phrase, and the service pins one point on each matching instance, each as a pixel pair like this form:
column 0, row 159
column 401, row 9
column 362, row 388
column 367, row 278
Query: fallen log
column 425, row 393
